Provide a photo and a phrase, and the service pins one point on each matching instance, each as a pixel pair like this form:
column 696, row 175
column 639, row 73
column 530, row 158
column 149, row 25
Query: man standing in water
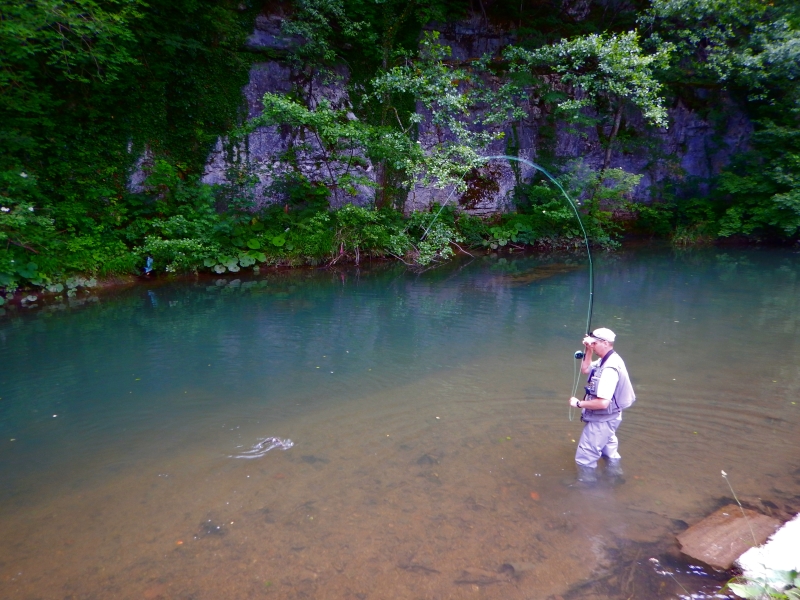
column 609, row 392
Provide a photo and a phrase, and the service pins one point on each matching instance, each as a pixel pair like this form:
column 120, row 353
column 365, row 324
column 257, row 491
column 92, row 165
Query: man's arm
column 588, row 354
column 586, row 366
column 595, row 404
column 605, row 387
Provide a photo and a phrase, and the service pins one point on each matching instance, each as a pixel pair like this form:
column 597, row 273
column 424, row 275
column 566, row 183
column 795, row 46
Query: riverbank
column 88, row 289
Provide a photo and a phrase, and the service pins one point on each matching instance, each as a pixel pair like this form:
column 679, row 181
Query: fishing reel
column 579, row 355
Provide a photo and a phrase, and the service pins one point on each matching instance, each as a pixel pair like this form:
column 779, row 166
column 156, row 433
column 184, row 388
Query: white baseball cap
column 604, row 334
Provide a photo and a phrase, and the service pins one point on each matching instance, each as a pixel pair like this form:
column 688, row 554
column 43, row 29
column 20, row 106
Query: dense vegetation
column 87, row 87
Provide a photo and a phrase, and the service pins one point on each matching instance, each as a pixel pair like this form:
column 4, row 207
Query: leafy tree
column 752, row 49
column 607, row 71
column 763, row 188
column 361, row 31
column 747, row 42
column 85, row 86
column 344, row 142
column 465, row 113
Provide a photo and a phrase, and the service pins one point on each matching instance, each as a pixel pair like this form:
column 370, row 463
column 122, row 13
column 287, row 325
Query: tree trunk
column 380, row 179
column 483, row 10
column 381, row 199
column 613, row 135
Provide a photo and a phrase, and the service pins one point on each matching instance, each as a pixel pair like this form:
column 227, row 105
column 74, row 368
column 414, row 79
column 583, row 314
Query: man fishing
column 608, row 393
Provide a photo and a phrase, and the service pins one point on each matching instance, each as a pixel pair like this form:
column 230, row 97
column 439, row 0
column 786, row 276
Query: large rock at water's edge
column 724, row 535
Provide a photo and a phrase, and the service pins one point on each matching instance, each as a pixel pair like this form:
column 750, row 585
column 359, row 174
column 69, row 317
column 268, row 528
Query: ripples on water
column 432, row 449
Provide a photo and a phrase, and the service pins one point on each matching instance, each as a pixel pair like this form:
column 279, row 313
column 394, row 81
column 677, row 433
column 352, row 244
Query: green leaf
column 279, row 240
column 253, row 244
column 746, row 590
column 246, row 260
column 27, row 273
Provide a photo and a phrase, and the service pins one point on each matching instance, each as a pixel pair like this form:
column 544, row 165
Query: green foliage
column 762, row 189
column 361, row 228
column 49, row 45
column 85, row 87
column 454, row 98
column 294, row 189
column 516, row 229
column 749, row 42
column 473, row 229
column 321, row 24
column 232, row 242
column 465, row 112
column 654, row 219
column 604, row 198
column 91, row 88
column 344, row 141
column 685, row 221
column 604, row 67
column 783, row 585
column 430, row 236
column 324, row 31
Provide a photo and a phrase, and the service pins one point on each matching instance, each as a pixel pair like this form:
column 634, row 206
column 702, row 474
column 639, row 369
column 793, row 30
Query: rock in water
column 724, row 535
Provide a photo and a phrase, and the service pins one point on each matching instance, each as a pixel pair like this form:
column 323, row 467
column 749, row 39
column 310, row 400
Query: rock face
column 261, row 154
column 724, row 535
column 693, row 148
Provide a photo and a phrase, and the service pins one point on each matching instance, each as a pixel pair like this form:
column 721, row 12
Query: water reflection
column 428, row 414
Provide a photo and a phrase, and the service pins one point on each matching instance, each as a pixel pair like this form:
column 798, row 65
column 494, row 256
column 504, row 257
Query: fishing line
column 575, row 382
column 572, row 205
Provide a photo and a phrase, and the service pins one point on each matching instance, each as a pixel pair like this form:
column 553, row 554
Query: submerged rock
column 427, row 459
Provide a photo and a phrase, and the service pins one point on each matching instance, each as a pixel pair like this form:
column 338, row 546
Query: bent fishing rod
column 573, row 206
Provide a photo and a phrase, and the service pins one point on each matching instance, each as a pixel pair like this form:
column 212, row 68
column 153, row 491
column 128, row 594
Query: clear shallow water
column 431, row 430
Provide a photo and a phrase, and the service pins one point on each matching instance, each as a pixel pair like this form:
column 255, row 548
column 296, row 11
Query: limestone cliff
column 693, row 147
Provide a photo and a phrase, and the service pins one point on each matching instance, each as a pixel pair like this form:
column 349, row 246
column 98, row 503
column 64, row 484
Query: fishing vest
column 623, row 396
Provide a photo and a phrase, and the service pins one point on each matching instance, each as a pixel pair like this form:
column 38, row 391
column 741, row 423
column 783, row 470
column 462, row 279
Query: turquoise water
column 432, row 439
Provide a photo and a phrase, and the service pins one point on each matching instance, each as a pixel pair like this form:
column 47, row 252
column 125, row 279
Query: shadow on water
column 645, row 571
column 529, row 276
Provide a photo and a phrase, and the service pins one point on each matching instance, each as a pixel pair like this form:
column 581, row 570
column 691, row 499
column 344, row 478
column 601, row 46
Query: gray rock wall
column 692, row 147
column 259, row 155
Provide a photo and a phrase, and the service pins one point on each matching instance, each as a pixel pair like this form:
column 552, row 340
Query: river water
column 433, row 446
